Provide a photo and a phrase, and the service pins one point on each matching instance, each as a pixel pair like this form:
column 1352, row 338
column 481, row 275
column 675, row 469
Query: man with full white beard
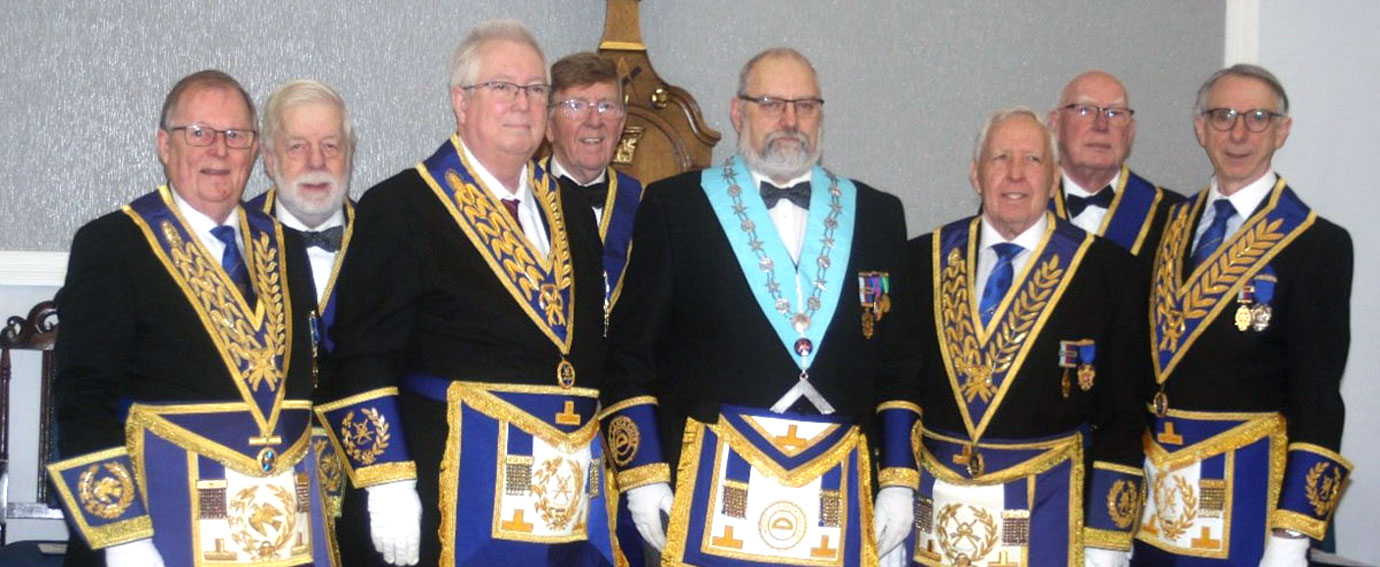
column 309, row 147
column 757, row 350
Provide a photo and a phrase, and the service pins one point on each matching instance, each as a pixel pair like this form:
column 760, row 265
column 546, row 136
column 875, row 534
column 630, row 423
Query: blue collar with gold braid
column 1129, row 216
column 254, row 342
column 982, row 361
column 542, row 285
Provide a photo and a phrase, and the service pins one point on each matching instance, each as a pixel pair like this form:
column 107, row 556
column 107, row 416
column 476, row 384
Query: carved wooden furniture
column 665, row 133
column 37, row 332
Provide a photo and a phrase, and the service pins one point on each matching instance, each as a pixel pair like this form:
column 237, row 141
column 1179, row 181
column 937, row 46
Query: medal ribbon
column 542, row 286
column 255, row 344
column 771, row 274
column 1180, row 311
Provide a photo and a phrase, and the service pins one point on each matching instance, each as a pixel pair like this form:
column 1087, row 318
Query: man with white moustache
column 757, row 352
column 1033, row 347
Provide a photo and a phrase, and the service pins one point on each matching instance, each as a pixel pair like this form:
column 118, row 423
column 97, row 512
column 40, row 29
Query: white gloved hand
column 1285, row 552
column 395, row 521
column 1099, row 557
column 646, row 503
column 139, row 553
column 897, row 558
column 892, row 517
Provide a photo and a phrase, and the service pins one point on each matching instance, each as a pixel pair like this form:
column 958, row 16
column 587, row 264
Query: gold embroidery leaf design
column 1322, row 489
column 329, row 475
column 1123, row 501
column 366, row 439
column 1228, row 269
column 1168, row 318
column 262, row 527
column 978, row 365
column 624, row 439
column 254, row 358
column 106, row 496
column 1173, row 526
column 558, row 495
column 978, row 542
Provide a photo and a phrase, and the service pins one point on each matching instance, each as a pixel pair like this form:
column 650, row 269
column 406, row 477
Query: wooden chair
column 37, row 332
column 665, row 133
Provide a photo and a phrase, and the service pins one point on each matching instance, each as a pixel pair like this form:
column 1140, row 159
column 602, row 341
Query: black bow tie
column 799, row 194
column 328, row 240
column 1076, row 204
column 594, row 194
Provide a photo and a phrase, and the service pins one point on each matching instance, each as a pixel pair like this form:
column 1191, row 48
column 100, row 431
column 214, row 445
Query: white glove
column 892, row 517
column 897, row 558
column 1099, row 557
column 646, row 503
column 1285, row 552
column 139, row 553
column 395, row 521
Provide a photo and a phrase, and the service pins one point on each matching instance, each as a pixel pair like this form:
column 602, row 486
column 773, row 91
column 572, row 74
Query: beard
column 315, row 209
column 785, row 154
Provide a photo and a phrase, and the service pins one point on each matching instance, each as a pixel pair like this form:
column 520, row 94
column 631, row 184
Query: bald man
column 1095, row 127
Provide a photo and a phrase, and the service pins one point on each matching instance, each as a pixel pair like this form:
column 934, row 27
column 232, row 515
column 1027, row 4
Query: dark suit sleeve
column 635, row 325
column 96, row 309
column 1317, row 334
column 898, row 392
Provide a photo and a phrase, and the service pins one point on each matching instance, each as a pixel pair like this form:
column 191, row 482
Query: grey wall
column 907, row 82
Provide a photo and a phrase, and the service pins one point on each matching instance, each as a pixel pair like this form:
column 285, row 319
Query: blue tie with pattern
column 1000, row 280
column 233, row 262
column 1212, row 237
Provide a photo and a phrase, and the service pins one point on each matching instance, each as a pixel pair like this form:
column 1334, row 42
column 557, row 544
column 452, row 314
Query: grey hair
column 464, row 63
column 208, row 78
column 1241, row 70
column 1003, row 114
column 303, row 92
column 786, row 52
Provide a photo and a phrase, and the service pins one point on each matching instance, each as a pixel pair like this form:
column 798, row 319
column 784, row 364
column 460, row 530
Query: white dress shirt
column 1244, row 200
column 529, row 214
column 322, row 262
column 557, row 170
column 1090, row 219
column 789, row 218
column 988, row 237
column 201, row 226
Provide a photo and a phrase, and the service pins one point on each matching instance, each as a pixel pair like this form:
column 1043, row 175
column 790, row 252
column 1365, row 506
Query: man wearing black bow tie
column 1095, row 127
column 762, row 320
column 308, row 150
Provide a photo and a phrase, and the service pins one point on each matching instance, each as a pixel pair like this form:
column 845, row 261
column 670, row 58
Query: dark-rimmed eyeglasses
column 507, row 92
column 578, row 108
column 773, row 106
column 1224, row 119
column 1116, row 115
column 201, row 136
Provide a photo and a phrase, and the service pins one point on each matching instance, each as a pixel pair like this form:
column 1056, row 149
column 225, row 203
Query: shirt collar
column 291, row 221
column 1072, row 187
column 523, row 193
column 1028, row 239
column 1249, row 197
column 558, row 170
column 201, row 223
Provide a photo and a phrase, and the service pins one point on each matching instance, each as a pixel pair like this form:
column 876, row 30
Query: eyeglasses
column 578, row 108
column 200, row 136
column 1117, row 116
column 507, row 92
column 1224, row 119
column 774, row 107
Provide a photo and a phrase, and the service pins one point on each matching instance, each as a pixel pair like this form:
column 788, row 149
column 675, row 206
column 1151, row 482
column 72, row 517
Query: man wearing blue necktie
column 185, row 362
column 1032, row 336
column 1250, row 331
column 757, row 350
column 1098, row 193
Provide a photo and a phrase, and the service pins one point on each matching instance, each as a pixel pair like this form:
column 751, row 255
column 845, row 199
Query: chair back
column 37, row 332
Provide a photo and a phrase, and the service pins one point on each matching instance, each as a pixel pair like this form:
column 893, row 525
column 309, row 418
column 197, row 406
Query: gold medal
column 1065, row 384
column 868, row 324
column 565, row 374
column 1086, row 373
column 1243, row 317
column 1161, row 403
